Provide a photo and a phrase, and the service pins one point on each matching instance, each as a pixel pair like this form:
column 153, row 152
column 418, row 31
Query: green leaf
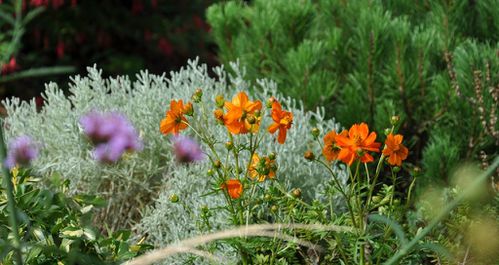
column 34, row 72
column 7, row 17
column 32, row 14
column 392, row 224
column 72, row 232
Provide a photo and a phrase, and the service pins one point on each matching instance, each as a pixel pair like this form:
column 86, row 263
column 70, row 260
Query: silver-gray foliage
column 139, row 185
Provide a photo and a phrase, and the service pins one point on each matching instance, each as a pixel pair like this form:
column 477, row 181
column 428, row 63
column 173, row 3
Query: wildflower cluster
column 112, row 134
column 240, row 116
column 354, row 147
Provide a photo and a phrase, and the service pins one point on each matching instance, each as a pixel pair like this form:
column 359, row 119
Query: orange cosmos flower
column 331, row 149
column 241, row 114
column 282, row 121
column 262, row 168
column 356, row 144
column 174, row 121
column 234, row 188
column 395, row 150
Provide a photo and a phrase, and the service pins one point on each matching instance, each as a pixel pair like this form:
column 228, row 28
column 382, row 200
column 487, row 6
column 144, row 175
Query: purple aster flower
column 22, row 150
column 112, row 134
column 186, row 149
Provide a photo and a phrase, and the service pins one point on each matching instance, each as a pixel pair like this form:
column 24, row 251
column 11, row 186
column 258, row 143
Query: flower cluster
column 239, row 116
column 356, row 143
column 21, row 151
column 262, row 168
column 112, row 134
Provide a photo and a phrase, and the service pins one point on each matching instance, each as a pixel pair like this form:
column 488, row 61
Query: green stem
column 453, row 204
column 7, row 180
column 340, row 189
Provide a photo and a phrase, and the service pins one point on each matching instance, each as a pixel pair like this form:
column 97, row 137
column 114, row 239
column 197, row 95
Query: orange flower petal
column 282, row 135
column 273, row 128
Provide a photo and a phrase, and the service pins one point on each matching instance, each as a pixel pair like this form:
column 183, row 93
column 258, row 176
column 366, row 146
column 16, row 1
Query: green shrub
column 368, row 60
column 57, row 228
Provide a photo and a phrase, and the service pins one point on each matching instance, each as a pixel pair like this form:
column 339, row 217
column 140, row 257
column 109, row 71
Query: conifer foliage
column 434, row 63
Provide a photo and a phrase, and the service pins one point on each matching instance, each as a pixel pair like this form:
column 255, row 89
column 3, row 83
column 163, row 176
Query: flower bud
column 309, row 155
column 229, row 145
column 315, row 132
column 188, row 109
column 376, row 199
column 258, row 114
column 174, row 198
column 198, row 94
column 219, row 115
column 267, row 197
column 270, row 101
column 220, row 101
column 396, row 169
column 387, row 131
column 210, row 172
column 205, row 209
column 296, row 192
column 359, row 152
column 416, row 170
column 274, row 208
column 217, row 164
column 394, row 120
column 251, row 120
column 272, row 156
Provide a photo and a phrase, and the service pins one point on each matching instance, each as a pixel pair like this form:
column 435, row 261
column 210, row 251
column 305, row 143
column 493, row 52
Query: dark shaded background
column 121, row 37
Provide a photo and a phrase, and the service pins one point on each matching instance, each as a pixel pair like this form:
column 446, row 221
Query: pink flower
column 186, row 149
column 22, row 150
column 112, row 134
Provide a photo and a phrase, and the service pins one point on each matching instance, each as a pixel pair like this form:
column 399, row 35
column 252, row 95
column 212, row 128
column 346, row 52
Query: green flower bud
column 272, row 156
column 396, row 169
column 296, row 192
column 220, row 101
column 387, row 131
column 251, row 120
column 174, row 198
column 315, row 132
column 229, row 145
column 274, row 208
column 217, row 164
column 394, row 120
column 198, row 94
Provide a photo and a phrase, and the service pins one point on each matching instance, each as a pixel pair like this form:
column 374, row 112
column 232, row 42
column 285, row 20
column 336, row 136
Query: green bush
column 368, row 60
column 57, row 228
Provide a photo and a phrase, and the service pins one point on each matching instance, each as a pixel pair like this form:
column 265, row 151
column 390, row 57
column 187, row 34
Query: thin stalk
column 7, row 180
column 340, row 189
column 453, row 204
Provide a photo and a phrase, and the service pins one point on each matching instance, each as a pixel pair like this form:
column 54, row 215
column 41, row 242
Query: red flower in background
column 59, row 49
column 38, row 2
column 200, row 24
column 57, row 3
column 165, row 46
column 137, row 7
column 147, row 35
column 9, row 67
